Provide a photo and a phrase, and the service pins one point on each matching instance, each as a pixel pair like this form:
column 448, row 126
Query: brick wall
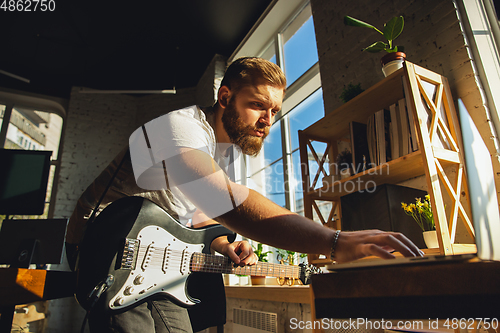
column 431, row 37
column 98, row 127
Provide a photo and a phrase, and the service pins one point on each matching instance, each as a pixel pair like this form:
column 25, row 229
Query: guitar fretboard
column 201, row 262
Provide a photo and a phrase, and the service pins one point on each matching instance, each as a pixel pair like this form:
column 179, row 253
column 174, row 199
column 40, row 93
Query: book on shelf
column 390, row 133
column 382, row 128
column 378, row 134
column 404, row 128
column 411, row 120
column 372, row 142
column 395, row 135
column 359, row 146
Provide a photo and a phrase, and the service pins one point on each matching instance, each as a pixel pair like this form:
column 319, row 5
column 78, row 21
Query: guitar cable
column 95, row 295
column 103, row 285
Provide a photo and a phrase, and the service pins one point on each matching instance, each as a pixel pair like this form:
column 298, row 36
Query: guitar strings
column 158, row 257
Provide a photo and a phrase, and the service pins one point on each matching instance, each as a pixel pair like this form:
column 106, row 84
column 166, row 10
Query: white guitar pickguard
column 162, row 266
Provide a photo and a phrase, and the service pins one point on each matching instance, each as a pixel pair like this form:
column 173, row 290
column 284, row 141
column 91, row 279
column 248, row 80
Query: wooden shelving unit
column 429, row 99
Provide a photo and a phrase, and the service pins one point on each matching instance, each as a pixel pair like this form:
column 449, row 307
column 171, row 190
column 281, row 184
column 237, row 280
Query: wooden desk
column 20, row 286
column 272, row 293
column 452, row 290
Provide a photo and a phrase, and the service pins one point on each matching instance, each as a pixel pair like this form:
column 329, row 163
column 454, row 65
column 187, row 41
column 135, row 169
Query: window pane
column 272, row 144
column 324, row 207
column 270, row 53
column 270, row 183
column 2, row 112
column 319, row 148
column 305, row 114
column 297, row 182
column 35, row 130
column 299, row 49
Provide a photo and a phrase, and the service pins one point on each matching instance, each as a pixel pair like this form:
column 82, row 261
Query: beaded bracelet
column 334, row 244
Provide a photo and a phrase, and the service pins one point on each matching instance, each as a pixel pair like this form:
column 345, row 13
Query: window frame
column 266, row 35
column 58, row 106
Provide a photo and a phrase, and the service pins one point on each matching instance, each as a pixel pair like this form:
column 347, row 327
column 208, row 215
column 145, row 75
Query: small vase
column 391, row 62
column 431, row 239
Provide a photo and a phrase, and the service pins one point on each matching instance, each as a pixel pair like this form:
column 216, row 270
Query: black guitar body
column 110, row 260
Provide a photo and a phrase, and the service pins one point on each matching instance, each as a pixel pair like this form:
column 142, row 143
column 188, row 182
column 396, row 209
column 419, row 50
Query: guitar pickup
column 129, row 255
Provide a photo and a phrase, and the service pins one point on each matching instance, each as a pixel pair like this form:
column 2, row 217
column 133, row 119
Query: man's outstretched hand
column 359, row 244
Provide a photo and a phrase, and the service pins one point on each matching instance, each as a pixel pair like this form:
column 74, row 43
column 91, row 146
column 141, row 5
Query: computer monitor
column 23, row 181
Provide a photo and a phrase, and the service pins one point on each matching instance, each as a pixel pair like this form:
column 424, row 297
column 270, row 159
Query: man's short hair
column 249, row 70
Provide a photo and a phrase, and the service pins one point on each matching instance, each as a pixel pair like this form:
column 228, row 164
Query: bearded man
column 182, row 162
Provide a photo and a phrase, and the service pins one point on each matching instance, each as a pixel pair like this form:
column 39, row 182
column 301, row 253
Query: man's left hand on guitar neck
column 240, row 252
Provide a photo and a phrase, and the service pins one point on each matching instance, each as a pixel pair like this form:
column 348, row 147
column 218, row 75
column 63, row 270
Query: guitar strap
column 94, row 211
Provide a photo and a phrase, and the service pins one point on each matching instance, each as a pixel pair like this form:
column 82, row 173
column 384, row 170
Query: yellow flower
column 421, row 212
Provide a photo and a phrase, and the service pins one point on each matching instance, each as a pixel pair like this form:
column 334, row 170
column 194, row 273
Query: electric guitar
column 135, row 250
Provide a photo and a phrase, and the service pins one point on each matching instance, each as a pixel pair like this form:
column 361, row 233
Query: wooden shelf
column 393, row 172
column 336, row 123
column 428, row 99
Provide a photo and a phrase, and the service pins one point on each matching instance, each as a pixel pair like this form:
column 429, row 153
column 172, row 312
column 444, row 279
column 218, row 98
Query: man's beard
column 238, row 131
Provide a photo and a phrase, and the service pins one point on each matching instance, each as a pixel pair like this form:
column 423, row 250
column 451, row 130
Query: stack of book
column 388, row 134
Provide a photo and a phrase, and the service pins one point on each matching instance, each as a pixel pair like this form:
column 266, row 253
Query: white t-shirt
column 188, row 127
column 161, row 139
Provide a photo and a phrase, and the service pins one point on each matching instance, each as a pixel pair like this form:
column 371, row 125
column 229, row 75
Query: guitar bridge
column 129, row 255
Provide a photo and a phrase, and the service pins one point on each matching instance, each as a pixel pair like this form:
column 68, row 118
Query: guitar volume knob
column 129, row 290
column 118, row 301
column 138, row 279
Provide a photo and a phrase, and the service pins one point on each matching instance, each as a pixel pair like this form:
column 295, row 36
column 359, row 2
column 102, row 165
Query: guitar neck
column 201, row 262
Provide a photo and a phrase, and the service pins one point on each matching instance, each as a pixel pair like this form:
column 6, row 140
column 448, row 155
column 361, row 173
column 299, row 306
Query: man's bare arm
column 254, row 216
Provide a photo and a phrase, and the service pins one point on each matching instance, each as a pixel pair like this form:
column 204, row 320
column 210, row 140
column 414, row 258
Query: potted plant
column 259, row 251
column 395, row 56
column 421, row 212
column 350, row 91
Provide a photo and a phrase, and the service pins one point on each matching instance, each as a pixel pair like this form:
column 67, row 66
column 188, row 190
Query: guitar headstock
column 306, row 271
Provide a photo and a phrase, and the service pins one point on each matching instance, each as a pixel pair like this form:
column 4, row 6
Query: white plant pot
column 391, row 67
column 391, row 62
column 431, row 239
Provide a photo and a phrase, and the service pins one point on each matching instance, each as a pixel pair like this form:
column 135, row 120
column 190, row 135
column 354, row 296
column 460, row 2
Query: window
column 286, row 37
column 482, row 29
column 276, row 173
column 30, row 129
